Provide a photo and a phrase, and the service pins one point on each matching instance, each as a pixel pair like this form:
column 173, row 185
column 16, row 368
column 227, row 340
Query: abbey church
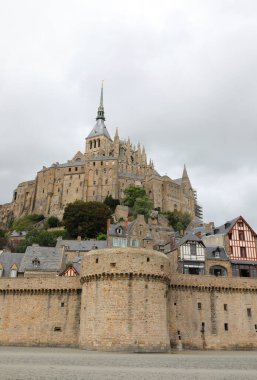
column 107, row 167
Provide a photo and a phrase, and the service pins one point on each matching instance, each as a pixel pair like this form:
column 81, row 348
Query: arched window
column 218, row 270
column 13, row 271
column 1, row 270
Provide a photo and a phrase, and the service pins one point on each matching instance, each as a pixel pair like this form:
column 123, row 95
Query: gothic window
column 94, row 143
column 90, row 145
column 98, row 142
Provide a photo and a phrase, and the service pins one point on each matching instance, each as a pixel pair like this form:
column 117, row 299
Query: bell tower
column 99, row 142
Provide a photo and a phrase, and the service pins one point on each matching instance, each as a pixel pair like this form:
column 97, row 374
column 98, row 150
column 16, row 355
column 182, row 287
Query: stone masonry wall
column 124, row 300
column 41, row 312
column 213, row 313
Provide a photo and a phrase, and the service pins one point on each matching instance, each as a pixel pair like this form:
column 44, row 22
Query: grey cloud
column 180, row 77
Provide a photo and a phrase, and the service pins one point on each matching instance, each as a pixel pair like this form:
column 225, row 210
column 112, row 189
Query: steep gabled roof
column 227, row 227
column 211, row 249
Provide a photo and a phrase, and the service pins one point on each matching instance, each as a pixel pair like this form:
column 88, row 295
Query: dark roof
column 244, row 262
column 50, row 259
column 7, row 259
column 114, row 227
column 178, row 181
column 81, row 245
column 99, row 129
column 225, row 228
column 211, row 253
column 130, row 175
column 189, row 237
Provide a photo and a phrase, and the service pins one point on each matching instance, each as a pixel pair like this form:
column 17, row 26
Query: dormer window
column 36, row 262
column 119, row 230
column 13, row 271
column 216, row 253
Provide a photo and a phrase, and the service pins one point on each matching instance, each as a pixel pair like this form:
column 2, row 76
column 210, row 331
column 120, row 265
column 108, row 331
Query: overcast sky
column 180, row 77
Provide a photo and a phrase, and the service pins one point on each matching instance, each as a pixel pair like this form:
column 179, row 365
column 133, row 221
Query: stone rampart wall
column 41, row 312
column 207, row 312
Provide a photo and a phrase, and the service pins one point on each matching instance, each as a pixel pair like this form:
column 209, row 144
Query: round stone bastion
column 124, row 304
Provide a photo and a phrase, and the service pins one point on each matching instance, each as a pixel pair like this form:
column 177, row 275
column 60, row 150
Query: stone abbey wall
column 127, row 299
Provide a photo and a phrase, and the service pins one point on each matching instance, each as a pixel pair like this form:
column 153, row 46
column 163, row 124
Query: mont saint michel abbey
column 107, row 167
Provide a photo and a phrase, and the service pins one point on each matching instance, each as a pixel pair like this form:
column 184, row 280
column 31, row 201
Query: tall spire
column 100, row 112
column 185, row 175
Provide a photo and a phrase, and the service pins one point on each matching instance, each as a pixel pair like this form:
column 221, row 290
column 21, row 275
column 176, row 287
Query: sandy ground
column 55, row 363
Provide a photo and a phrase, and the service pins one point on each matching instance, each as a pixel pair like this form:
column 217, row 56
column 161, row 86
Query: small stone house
column 42, row 261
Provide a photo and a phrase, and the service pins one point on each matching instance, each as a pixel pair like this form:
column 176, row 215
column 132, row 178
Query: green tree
column 27, row 222
column 101, row 237
column 143, row 206
column 86, row 219
column 2, row 233
column 41, row 237
column 111, row 202
column 178, row 220
column 53, row 222
column 132, row 193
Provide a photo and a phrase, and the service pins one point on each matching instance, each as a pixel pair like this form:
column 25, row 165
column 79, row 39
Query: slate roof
column 113, row 228
column 178, row 181
column 81, row 245
column 189, row 237
column 130, row 175
column 211, row 253
column 7, row 259
column 50, row 259
column 99, row 129
column 125, row 229
column 225, row 228
column 244, row 262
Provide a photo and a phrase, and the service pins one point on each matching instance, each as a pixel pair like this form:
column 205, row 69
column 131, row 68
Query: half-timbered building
column 240, row 242
column 188, row 257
